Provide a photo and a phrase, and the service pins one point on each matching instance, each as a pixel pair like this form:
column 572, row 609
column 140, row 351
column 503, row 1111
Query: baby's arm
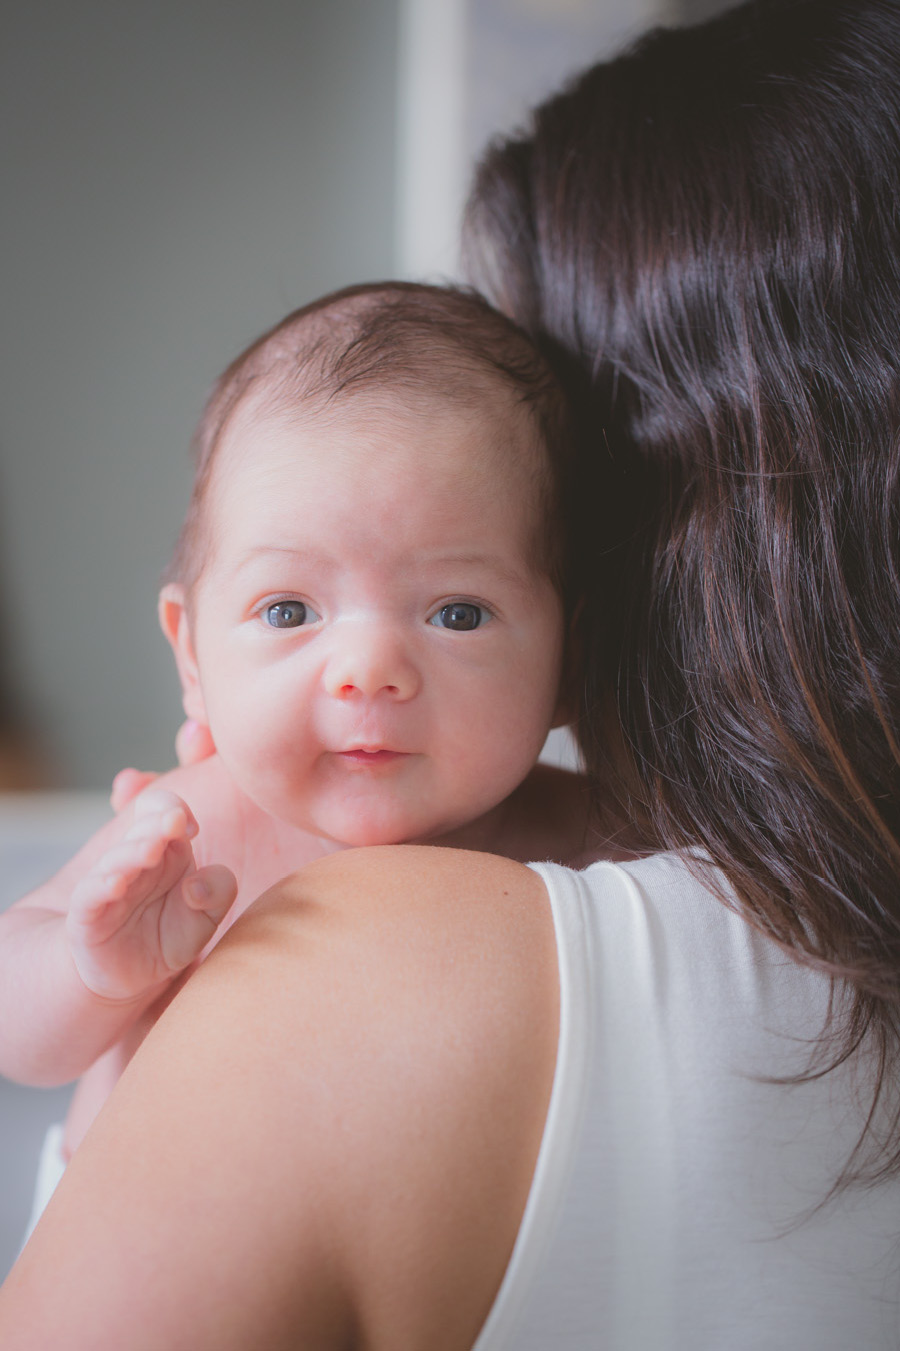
column 82, row 957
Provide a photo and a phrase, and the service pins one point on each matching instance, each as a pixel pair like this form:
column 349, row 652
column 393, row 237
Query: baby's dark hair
column 422, row 343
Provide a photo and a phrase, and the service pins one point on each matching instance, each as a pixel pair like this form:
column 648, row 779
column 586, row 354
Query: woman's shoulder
column 422, row 947
column 427, row 981
column 426, row 896
column 367, row 1058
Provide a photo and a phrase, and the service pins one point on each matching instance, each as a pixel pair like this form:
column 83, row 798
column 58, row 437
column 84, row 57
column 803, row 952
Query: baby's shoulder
column 206, row 786
column 230, row 825
column 258, row 848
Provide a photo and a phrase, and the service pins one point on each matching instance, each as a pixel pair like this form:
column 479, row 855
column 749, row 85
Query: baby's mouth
column 370, row 757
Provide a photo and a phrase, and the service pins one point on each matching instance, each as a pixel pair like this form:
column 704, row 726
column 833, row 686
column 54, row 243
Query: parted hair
column 710, row 226
column 441, row 345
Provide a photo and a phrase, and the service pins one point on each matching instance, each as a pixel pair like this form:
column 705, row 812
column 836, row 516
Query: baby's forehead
column 377, row 458
column 410, row 360
column 487, row 425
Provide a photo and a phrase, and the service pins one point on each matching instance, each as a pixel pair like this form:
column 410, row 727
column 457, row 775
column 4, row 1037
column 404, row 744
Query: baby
column 368, row 608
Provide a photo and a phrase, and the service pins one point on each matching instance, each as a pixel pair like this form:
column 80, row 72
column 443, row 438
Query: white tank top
column 670, row 1206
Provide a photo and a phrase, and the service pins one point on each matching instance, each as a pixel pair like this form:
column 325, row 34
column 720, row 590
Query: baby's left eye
column 460, row 615
column 288, row 614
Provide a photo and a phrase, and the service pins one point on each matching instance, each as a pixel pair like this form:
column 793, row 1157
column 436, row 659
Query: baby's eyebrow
column 280, row 550
column 429, row 561
column 493, row 563
column 270, row 549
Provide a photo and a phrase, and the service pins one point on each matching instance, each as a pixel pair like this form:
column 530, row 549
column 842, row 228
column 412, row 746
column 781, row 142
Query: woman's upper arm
column 329, row 1137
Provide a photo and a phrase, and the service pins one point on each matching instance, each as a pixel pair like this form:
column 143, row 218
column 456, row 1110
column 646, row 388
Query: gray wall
column 521, row 51
column 694, row 11
column 176, row 175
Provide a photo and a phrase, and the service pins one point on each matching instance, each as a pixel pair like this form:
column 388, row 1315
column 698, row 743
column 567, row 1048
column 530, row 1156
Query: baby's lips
column 364, row 755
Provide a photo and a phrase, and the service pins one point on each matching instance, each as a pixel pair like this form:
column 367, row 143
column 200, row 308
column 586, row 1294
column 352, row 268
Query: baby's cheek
column 275, row 749
column 240, row 734
column 495, row 750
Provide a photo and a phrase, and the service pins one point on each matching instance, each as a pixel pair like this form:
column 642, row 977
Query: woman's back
column 681, row 1198
column 340, row 1135
column 708, row 232
column 707, row 229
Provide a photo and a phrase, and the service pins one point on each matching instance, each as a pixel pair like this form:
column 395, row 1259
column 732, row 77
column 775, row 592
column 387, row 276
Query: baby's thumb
column 211, row 890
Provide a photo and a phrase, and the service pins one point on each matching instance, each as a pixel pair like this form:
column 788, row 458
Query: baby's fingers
column 136, row 854
column 158, row 809
column 211, row 890
column 194, row 910
column 126, row 786
column 95, row 893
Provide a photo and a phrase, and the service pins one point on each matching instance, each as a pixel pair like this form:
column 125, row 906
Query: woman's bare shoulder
column 336, row 1123
column 419, row 885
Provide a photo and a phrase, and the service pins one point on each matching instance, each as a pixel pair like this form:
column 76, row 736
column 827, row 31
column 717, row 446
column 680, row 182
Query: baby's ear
column 173, row 618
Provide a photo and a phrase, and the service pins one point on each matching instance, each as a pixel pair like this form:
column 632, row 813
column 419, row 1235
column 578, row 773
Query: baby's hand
column 126, row 786
column 144, row 912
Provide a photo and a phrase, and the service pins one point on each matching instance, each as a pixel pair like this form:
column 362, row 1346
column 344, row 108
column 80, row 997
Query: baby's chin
column 481, row 833
column 348, row 833
column 366, row 832
column 365, row 835
column 364, row 824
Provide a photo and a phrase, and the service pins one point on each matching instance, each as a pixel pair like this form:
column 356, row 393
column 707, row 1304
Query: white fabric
column 51, row 1166
column 670, row 1207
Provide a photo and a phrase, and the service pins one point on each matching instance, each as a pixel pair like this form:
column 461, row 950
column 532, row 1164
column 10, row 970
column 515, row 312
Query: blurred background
column 179, row 175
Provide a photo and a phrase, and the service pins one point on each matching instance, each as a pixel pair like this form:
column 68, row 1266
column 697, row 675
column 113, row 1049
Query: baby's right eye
column 288, row 614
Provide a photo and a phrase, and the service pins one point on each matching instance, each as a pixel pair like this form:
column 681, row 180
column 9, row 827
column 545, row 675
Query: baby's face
column 378, row 658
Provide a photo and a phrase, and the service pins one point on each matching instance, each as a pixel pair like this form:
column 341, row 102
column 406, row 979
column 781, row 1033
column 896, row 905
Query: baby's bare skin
column 377, row 642
column 545, row 818
column 233, row 835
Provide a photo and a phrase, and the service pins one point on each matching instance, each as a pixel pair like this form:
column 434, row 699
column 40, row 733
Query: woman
column 650, row 1105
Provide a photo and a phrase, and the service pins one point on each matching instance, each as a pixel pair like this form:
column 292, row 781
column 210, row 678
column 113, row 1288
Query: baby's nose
column 369, row 660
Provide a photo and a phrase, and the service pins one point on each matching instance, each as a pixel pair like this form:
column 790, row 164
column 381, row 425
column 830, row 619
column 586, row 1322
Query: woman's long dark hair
column 710, row 226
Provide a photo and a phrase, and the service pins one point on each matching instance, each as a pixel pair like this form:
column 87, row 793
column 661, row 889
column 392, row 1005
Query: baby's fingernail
column 197, row 891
